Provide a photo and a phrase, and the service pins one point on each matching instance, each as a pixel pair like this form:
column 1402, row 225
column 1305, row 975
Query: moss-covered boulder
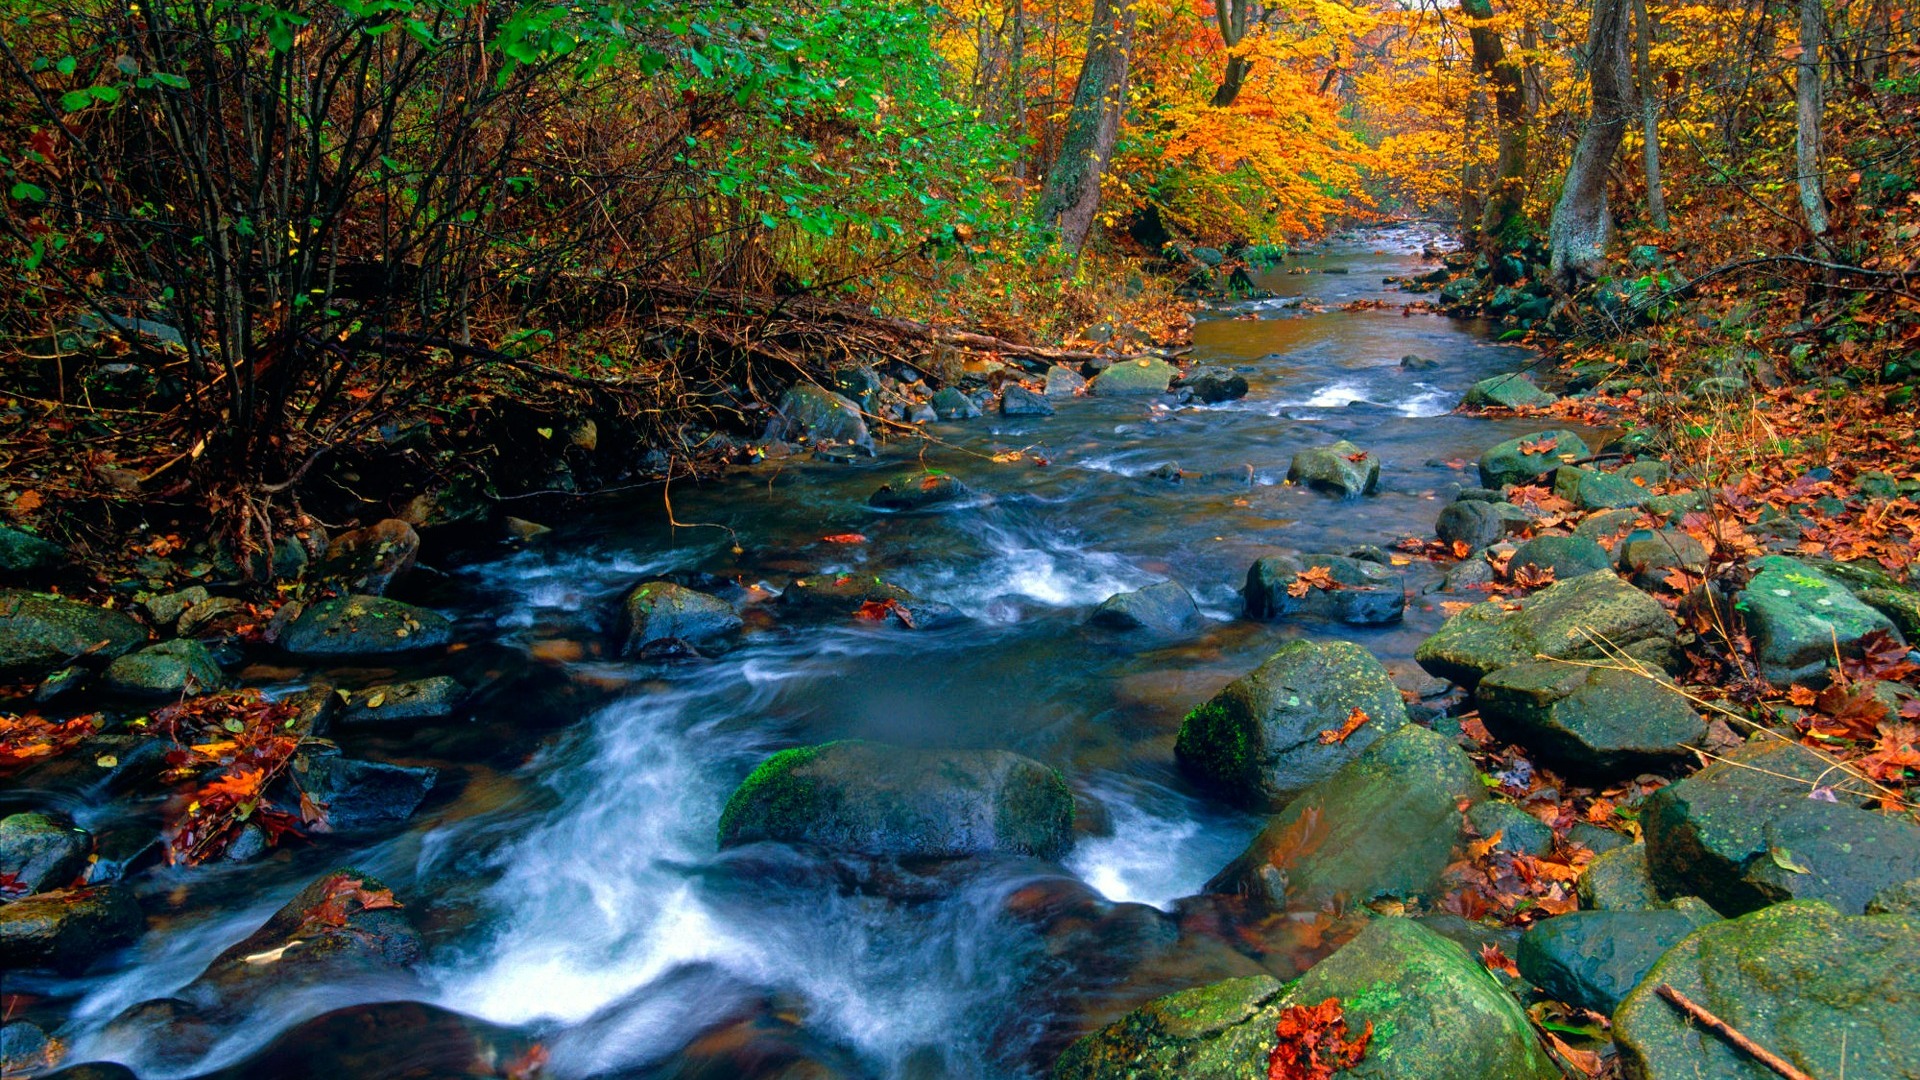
column 1567, row 556
column 1618, row 880
column 1527, row 458
column 1593, row 958
column 1593, row 721
column 1386, row 825
column 1577, row 619
column 1223, row 1031
column 364, row 626
column 40, row 632
column 67, row 929
column 876, row 799
column 1161, row 608
column 1835, row 995
column 342, row 926
column 1128, row 378
column 1647, row 555
column 1798, row 617
column 1342, row 469
column 1260, row 739
column 1591, row 489
column 169, row 669
column 1364, row 594
column 1743, row 833
column 1437, row 1013
column 658, row 610
column 1514, row 391
column 821, row 415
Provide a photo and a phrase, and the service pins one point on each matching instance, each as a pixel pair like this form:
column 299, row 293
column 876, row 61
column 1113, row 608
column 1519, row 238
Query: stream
column 565, row 869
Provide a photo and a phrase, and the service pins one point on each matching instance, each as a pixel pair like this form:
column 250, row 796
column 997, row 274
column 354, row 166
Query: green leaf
column 66, row 65
column 177, row 82
column 25, row 192
column 1783, row 859
column 107, row 94
column 75, row 100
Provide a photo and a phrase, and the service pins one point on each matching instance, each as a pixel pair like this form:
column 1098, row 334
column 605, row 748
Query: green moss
column 1213, row 743
column 770, row 791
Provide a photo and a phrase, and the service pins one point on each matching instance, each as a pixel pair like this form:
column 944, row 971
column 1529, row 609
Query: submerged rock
column 67, row 929
column 1341, row 469
column 1569, row 620
column 1527, row 458
column 1145, row 375
column 370, row 560
column 1163, row 608
column 876, row 799
column 1260, row 739
column 1798, row 617
column 918, row 490
column 1366, row 593
column 1594, row 721
column 658, row 610
column 169, row 669
column 364, row 626
column 40, row 632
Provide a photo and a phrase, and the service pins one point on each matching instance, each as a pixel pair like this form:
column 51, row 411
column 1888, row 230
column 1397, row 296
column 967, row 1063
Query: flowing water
column 565, row 868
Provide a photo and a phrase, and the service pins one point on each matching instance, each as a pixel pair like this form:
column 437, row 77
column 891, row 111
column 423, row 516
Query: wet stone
column 1527, row 458
column 1212, row 385
column 1064, row 382
column 364, row 794
column 1341, row 469
column 1564, row 621
column 1592, row 959
column 659, row 610
column 1518, row 830
column 951, row 404
column 169, row 669
column 370, row 560
column 435, row 698
column 24, row 555
column 1798, row 616
column 1507, row 391
column 821, row 415
column 1133, row 378
column 40, row 852
column 1366, row 593
column 364, row 625
column 67, row 929
column 1618, row 880
column 1566, row 556
column 918, row 491
column 1593, row 721
column 1162, row 608
column 39, row 632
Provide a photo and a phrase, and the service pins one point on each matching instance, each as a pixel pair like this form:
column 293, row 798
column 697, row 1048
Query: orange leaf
column 844, row 538
column 1354, row 719
column 1496, row 960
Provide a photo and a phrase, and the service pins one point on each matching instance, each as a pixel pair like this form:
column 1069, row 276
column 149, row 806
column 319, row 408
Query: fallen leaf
column 1354, row 719
column 844, row 538
column 1496, row 960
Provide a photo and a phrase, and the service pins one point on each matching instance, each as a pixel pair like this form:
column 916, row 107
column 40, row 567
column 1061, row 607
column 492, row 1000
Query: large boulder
column 1598, row 722
column 39, row 852
column 1798, row 617
column 343, row 926
column 1516, row 391
column 820, row 415
column 67, row 929
column 1386, row 825
column 369, row 560
column 1222, row 1031
column 658, row 610
column 40, row 632
column 1578, row 619
column 364, row 626
column 1161, row 608
column 1743, row 833
column 1211, row 385
column 1341, row 469
column 1834, row 995
column 1135, row 377
column 1366, row 593
column 1566, row 556
column 876, row 799
column 169, row 669
column 1593, row 958
column 1261, row 739
column 1527, row 458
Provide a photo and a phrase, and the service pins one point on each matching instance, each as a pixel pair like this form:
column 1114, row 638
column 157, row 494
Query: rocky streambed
column 1086, row 740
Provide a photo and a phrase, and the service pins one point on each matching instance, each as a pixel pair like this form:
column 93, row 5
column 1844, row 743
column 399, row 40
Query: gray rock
column 951, row 404
column 1368, row 593
column 1162, row 608
column 1507, row 391
column 1477, row 524
column 364, row 626
column 1566, row 556
column 918, row 490
column 1798, row 617
column 1064, row 382
column 1646, row 556
column 1721, row 389
column 1602, row 527
column 1527, row 458
column 40, row 853
column 1132, row 378
column 166, row 610
column 368, row 561
column 1518, row 830
column 364, row 794
column 921, row 413
column 68, row 929
column 1211, row 385
column 821, row 415
column 658, row 610
column 1590, row 489
column 1565, row 621
column 1341, row 469
column 23, row 554
column 1618, row 880
column 169, row 669
column 1596, row 722
column 1412, row 362
column 39, row 632
column 1591, row 959
column 207, row 614
column 1017, row 400
column 421, row 699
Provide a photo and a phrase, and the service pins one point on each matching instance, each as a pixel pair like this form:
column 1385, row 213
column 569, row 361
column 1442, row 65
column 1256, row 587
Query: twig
column 1731, row 1034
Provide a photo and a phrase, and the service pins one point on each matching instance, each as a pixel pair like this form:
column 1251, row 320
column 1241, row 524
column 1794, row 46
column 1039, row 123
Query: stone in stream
column 1527, row 458
column 1162, row 608
column 1618, row 880
column 1591, row 489
column 67, row 929
column 1259, row 740
column 1387, row 824
column 1212, row 385
column 659, row 610
column 1591, row 959
column 1743, row 833
column 1222, row 1031
column 875, row 799
column 1600, row 723
column 1799, row 617
column 363, row 794
column 1341, row 469
column 23, row 554
column 1514, row 391
column 420, row 699
column 371, row 1040
column 364, row 626
column 40, row 632
column 1566, row 556
column 1132, row 378
column 1064, row 381
column 39, row 851
column 1366, row 593
column 370, row 560
column 1479, row 524
column 1017, row 400
column 25, row 1050
column 170, row 669
column 951, row 404
column 1569, row 620
column 821, row 415
column 1835, row 995
column 918, row 490
column 1415, row 362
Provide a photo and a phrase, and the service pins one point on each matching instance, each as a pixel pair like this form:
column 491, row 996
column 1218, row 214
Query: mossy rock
column 841, row 593
column 1527, row 458
column 1515, row 391
column 1569, row 620
column 39, row 852
column 1341, row 469
column 23, row 554
column 918, row 490
column 1567, row 556
column 1618, row 880
column 1596, row 722
column 40, row 632
column 364, row 626
column 1386, row 825
column 1591, row 489
column 1130, row 378
column 1223, row 1031
column 68, row 929
column 169, row 669
column 1798, row 617
column 658, row 610
column 1258, row 740
column 1593, row 958
column 1366, row 593
column 1161, row 608
column 1835, row 995
column 875, row 799
column 821, row 415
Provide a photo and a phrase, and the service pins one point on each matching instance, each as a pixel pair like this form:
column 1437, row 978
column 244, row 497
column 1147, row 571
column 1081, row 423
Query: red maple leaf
column 1313, row 1043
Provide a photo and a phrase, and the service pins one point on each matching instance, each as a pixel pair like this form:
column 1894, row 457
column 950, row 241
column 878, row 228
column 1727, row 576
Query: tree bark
column 1650, row 115
column 1581, row 223
column 1505, row 205
column 1234, row 16
column 1072, row 190
column 1809, row 102
column 1017, row 83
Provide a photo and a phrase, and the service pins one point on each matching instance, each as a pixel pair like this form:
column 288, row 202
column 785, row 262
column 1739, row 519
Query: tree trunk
column 1809, row 102
column 1236, row 76
column 1017, row 84
column 1234, row 16
column 1505, row 205
column 1072, row 191
column 1650, row 116
column 1581, row 223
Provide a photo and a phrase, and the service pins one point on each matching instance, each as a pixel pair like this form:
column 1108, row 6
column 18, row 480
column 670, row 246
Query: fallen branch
column 1730, row 1033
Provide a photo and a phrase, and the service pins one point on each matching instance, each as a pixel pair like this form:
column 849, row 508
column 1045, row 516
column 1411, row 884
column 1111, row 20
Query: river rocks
column 38, row 852
column 1507, row 391
column 1597, row 722
column 1477, row 523
column 1566, row 556
column 1743, row 833
column 421, row 699
column 841, row 594
column 1341, row 469
column 67, row 929
column 1132, row 378
column 1798, row 616
column 1618, row 880
column 39, row 632
column 1211, row 385
column 1591, row 489
column 1527, row 458
column 1436, row 1011
column 369, row 560
column 1416, row 362
column 1223, row 1031
column 1646, row 556
column 1593, row 958
column 345, row 925
column 23, row 554
column 364, row 794
column 1017, row 400
column 917, row 491
column 659, row 610
column 1259, row 740
column 951, row 404
column 1163, row 608
column 1064, row 382
column 1385, row 825
column 821, row 415
column 169, row 669
column 1517, row 830
column 876, row 799
column 165, row 610
column 364, row 626
column 1565, row 621
column 1608, row 528
column 1832, row 994
column 1366, row 593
